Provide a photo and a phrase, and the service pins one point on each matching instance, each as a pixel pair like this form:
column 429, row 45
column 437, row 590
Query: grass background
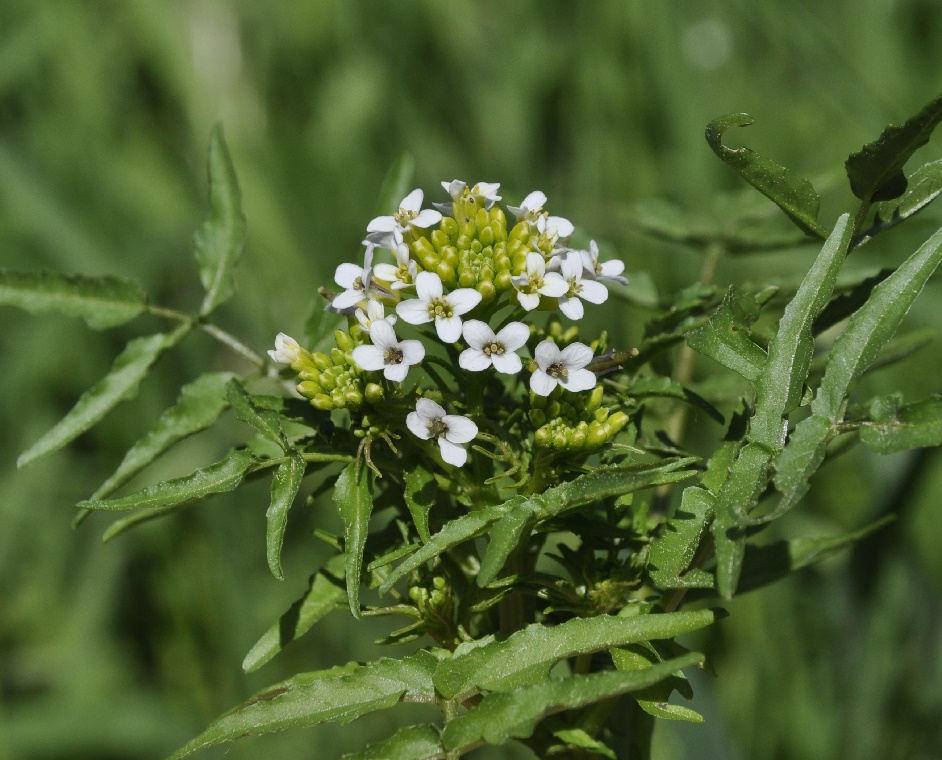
column 128, row 650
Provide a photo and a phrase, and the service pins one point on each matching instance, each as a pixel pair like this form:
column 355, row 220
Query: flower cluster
column 450, row 270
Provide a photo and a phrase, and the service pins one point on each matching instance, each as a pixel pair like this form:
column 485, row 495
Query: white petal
column 454, row 188
column 347, row 299
column 448, row 329
column 554, row 285
column 512, row 336
column 588, row 262
column 488, row 190
column 534, row 201
column 417, row 425
column 576, row 356
column 445, row 209
column 386, row 272
column 414, row 311
column 477, row 333
column 547, row 353
column 460, row 429
column 413, row 201
column 452, row 453
column 346, row 275
column 396, row 372
column 580, row 380
column 369, row 358
column 382, row 224
column 382, row 334
column 429, row 410
column 570, row 266
column 517, row 211
column 593, row 291
column 368, row 254
column 529, row 301
column 572, row 308
column 564, row 228
column 412, row 351
column 536, row 265
column 507, row 363
column 427, row 217
column 541, row 383
column 474, row 360
column 428, row 286
column 463, row 300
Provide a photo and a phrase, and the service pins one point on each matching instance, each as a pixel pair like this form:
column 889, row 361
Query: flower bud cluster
column 573, row 422
column 433, row 603
column 333, row 380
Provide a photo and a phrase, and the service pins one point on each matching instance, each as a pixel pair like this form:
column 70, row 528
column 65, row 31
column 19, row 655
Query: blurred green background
column 129, row 649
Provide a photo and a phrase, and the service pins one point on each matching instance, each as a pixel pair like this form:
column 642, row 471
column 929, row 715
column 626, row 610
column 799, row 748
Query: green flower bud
column 560, row 440
column 502, row 280
column 441, row 238
column 353, row 399
column 309, row 388
column 600, row 415
column 577, row 437
column 595, row 399
column 467, row 279
column 617, row 421
column 321, row 361
column 337, row 356
column 328, row 382
column 486, row 236
column 344, row 341
column 447, row 274
column 537, row 418
column 542, row 436
column 374, row 393
column 487, row 290
column 599, row 433
column 448, row 227
column 322, row 402
column 552, row 409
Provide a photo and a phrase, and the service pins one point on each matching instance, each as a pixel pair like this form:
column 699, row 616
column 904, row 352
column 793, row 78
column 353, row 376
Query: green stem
column 210, row 329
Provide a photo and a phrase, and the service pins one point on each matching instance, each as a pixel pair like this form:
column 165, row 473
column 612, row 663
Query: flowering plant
column 532, row 531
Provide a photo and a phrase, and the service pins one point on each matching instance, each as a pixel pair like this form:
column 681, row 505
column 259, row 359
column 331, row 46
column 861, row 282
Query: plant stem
column 210, row 329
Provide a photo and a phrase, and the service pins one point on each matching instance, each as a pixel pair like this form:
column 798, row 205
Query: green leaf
column 872, row 325
column 127, row 522
column 121, row 382
column 397, row 184
column 338, row 696
column 284, row 488
column 515, row 714
column 326, row 593
column 420, row 495
column 842, row 306
column 198, row 406
column 924, row 186
column 654, row 699
column 528, row 655
column 354, row 499
column 420, row 742
column 506, row 535
column 725, row 336
column 665, row 387
column 908, row 427
column 265, row 421
column 798, row 462
column 674, row 549
column 876, row 170
column 219, row 242
column 100, row 301
column 224, row 475
column 790, row 192
column 767, row 564
column 581, row 739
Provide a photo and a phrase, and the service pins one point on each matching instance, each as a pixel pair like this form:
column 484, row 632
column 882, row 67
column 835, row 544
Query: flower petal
column 459, row 429
column 547, row 353
column 536, row 265
column 463, row 300
column 512, row 336
column 413, row 201
column 448, row 328
column 382, row 224
column 454, row 188
column 417, row 425
column 382, row 334
column 534, row 201
column 541, row 383
column 452, row 452
column 386, row 272
column 554, row 285
column 477, row 333
column 580, row 380
column 428, row 286
column 396, row 372
column 576, row 356
column 426, row 218
column 369, row 358
column 347, row 299
column 414, row 311
column 564, row 228
column 347, row 274
column 593, row 291
column 507, row 363
column 572, row 307
column 570, row 266
column 428, row 409
column 474, row 360
column 529, row 301
column 412, row 351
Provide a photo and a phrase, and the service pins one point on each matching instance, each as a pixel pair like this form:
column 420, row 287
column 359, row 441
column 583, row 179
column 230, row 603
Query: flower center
column 405, row 216
column 557, row 370
column 574, row 287
column 439, row 308
column 598, row 267
column 437, row 427
column 494, row 348
column 358, row 284
column 393, row 355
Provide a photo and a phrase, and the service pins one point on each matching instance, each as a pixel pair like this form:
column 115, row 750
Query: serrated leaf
column 725, row 339
column 792, row 193
column 121, row 383
column 219, row 242
column 284, row 488
column 419, row 496
column 224, row 475
column 767, row 564
column 310, row 698
column 265, row 421
column 912, row 426
column 876, row 170
column 198, row 406
column 527, row 656
column 421, row 742
column 923, row 187
column 515, row 714
column 674, row 549
column 654, row 699
column 354, row 499
column 101, row 301
column 326, row 592
column 872, row 325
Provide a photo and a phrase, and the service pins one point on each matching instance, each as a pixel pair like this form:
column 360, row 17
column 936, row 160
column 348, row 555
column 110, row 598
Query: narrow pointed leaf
column 674, row 549
column 792, row 193
column 284, row 488
column 134, row 519
column 219, row 242
column 654, row 699
column 505, row 536
column 311, row 698
column 910, row 426
column 528, row 655
column 121, row 383
column 224, row 475
column 876, row 170
column 842, row 306
column 265, row 421
column 198, row 406
column 873, row 325
column 100, row 301
column 326, row 593
column 515, row 714
column 421, row 742
column 354, row 499
column 419, row 495
column 923, row 187
column 766, row 564
column 579, row 738
column 799, row 461
column 724, row 337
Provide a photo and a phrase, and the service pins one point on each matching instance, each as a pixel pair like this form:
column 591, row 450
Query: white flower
column 374, row 312
column 387, row 353
column 564, row 368
column 588, row 290
column 431, row 304
column 287, row 350
column 430, row 421
column 536, row 281
column 402, row 275
column 356, row 281
column 456, row 189
column 410, row 213
column 608, row 270
column 532, row 210
column 486, row 348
